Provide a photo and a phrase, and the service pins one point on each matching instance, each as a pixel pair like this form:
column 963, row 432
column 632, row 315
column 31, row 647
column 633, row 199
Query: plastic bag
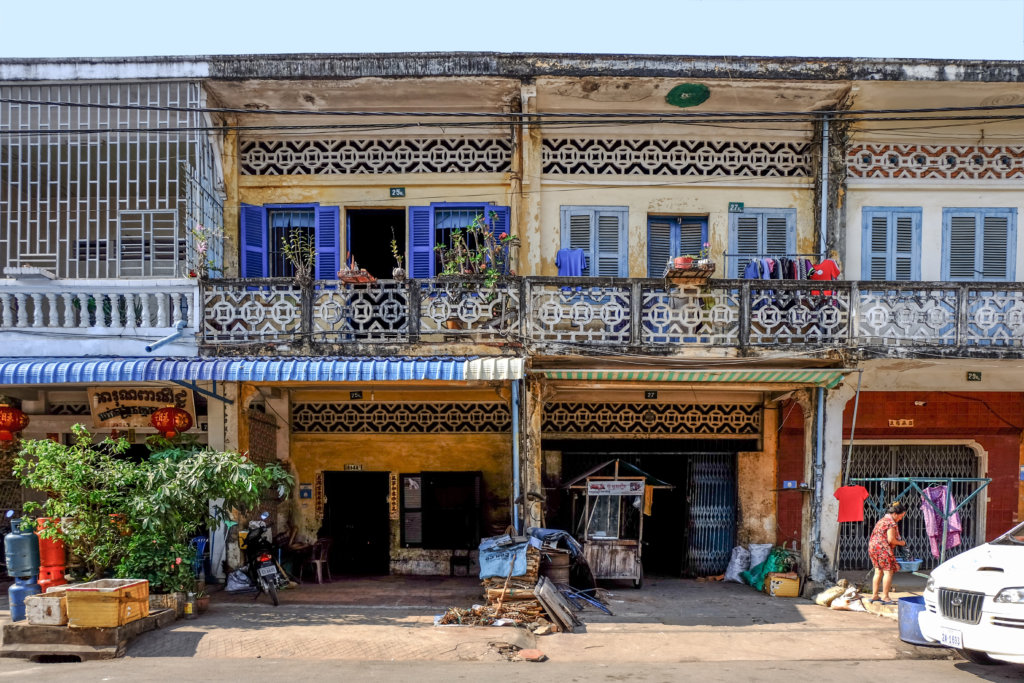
column 759, row 553
column 825, row 597
column 738, row 563
column 238, row 582
column 844, row 601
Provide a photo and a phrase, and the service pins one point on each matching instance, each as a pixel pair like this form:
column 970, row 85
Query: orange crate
column 107, row 603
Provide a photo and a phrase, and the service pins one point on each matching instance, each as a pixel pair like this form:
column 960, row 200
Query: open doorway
column 357, row 520
column 370, row 232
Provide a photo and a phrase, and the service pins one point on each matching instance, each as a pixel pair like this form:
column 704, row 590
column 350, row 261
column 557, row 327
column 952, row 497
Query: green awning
column 818, row 377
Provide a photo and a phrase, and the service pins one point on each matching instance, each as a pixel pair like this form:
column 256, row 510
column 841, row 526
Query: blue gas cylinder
column 21, row 549
column 16, row 594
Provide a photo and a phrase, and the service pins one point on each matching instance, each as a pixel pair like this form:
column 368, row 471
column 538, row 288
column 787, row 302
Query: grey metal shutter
column 659, row 245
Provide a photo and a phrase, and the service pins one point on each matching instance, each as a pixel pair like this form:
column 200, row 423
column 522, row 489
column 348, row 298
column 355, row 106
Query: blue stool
column 199, row 545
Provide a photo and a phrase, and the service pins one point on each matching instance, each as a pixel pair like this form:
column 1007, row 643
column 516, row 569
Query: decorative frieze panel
column 596, row 156
column 652, row 419
column 401, row 418
column 376, row 156
column 948, row 162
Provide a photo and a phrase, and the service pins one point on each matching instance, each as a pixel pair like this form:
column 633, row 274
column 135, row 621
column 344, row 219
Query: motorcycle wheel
column 271, row 588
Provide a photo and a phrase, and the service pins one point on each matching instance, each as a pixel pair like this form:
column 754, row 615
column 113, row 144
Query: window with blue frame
column 432, row 225
column 668, row 237
column 979, row 244
column 891, row 243
column 262, row 230
column 600, row 231
column 759, row 233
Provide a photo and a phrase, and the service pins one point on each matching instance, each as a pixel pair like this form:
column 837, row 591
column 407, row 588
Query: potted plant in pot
column 398, row 272
column 472, row 262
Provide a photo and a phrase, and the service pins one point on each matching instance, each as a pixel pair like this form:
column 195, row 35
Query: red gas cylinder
column 51, row 551
column 50, row 577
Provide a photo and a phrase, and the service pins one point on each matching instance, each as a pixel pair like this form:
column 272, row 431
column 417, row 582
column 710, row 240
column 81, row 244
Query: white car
column 974, row 602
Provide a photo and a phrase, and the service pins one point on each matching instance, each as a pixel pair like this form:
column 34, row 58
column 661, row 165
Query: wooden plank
column 555, row 605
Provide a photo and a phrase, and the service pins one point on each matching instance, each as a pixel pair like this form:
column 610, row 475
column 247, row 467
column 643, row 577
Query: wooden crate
column 47, row 609
column 107, row 603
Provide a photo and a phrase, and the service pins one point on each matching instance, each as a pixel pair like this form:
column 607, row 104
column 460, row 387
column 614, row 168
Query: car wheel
column 977, row 657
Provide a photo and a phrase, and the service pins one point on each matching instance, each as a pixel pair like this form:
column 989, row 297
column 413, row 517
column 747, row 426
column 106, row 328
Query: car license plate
column 951, row 638
column 269, row 570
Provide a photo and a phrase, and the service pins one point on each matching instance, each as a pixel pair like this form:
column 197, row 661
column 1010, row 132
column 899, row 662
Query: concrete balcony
column 582, row 315
column 97, row 317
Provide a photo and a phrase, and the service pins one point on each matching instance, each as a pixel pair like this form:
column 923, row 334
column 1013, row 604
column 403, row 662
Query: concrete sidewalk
column 391, row 619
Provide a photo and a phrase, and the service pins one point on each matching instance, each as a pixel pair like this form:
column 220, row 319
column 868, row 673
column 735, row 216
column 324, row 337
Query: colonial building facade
column 145, row 205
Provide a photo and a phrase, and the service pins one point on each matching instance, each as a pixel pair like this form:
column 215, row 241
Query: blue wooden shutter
column 577, row 223
column 693, row 233
column 662, row 244
column 499, row 223
column 254, row 241
column 328, row 255
column 744, row 240
column 421, row 242
column 995, row 249
column 906, row 246
column 891, row 243
column 610, row 247
column 875, row 245
column 779, row 234
column 962, row 232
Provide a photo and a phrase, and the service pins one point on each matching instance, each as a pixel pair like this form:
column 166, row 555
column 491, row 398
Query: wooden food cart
column 612, row 524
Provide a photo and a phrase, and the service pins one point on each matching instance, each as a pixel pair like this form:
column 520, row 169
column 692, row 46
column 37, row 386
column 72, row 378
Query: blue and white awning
column 30, row 371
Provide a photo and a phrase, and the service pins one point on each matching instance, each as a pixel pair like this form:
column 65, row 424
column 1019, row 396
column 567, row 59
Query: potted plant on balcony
column 472, row 262
column 398, row 272
column 298, row 247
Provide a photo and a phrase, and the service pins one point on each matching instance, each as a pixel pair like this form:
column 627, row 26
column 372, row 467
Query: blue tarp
column 499, row 553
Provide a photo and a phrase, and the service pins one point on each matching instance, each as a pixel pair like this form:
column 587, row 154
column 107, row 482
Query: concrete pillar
column 757, row 479
column 231, row 200
column 532, row 458
column 527, row 215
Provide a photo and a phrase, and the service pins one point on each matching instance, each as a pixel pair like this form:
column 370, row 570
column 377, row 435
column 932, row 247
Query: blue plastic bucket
column 910, row 632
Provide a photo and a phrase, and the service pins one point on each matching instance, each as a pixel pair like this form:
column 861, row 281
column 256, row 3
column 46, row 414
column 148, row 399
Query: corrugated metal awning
column 494, row 368
column 819, row 377
column 97, row 370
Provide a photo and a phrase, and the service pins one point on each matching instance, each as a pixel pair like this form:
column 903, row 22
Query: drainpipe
column 824, row 186
column 178, row 327
column 515, row 455
column 819, row 476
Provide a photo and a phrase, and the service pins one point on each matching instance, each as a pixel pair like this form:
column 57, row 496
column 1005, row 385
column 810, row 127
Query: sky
column 944, row 29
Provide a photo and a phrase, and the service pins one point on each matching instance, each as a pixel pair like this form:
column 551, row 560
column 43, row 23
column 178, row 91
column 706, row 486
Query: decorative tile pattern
column 256, row 312
column 652, row 419
column 376, row 156
column 401, row 418
column 955, row 162
column 373, row 311
column 596, row 156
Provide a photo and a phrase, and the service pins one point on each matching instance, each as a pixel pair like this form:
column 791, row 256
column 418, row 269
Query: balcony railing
column 618, row 313
column 112, row 317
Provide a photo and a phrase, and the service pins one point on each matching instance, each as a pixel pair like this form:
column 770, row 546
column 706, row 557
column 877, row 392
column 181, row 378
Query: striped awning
column 819, row 377
column 28, row 371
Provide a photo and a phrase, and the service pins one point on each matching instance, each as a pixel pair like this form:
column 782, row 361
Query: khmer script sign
column 615, row 487
column 127, row 407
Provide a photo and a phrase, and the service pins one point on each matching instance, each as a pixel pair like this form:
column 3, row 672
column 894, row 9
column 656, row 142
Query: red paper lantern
column 171, row 421
column 11, row 420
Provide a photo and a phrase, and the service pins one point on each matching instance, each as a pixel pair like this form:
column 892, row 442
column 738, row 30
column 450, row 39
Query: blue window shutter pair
column 979, row 244
column 422, row 238
column 602, row 233
column 757, row 233
column 891, row 243
column 255, row 247
column 670, row 237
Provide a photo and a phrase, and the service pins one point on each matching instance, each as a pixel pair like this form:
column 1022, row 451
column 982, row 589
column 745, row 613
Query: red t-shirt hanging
column 826, row 270
column 851, row 503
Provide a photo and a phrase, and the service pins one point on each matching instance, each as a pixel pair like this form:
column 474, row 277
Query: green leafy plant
column 137, row 518
column 203, row 245
column 395, row 253
column 299, row 248
column 475, row 250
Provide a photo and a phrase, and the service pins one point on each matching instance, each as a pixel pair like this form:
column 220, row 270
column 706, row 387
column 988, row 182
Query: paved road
column 144, row 670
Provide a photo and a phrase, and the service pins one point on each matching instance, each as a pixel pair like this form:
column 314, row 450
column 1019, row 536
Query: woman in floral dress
column 884, row 537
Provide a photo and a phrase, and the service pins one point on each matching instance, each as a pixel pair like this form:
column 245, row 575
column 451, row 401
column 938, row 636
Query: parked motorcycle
column 260, row 565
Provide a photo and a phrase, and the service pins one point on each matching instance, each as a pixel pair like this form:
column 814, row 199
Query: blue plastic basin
column 910, row 632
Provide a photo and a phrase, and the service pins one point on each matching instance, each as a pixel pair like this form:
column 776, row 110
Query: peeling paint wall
column 756, row 478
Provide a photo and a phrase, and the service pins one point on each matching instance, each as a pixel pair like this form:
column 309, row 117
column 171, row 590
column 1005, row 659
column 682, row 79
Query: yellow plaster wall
column 491, row 454
column 647, row 197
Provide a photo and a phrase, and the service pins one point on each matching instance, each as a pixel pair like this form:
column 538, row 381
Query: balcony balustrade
column 97, row 317
column 645, row 314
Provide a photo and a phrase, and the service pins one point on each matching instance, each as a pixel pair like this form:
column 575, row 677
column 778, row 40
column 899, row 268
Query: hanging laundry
column 826, row 270
column 933, row 518
column 571, row 262
column 752, row 271
column 851, row 502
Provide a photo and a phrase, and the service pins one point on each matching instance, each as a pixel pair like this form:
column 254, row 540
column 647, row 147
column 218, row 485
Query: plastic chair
column 199, row 545
column 318, row 559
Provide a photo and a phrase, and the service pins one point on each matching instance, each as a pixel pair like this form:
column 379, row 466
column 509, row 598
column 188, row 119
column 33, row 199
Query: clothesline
column 945, row 512
column 774, row 255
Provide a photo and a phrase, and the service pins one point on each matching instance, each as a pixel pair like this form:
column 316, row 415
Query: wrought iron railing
column 618, row 313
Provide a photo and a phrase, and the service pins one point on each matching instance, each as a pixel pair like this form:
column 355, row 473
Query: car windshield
column 1014, row 536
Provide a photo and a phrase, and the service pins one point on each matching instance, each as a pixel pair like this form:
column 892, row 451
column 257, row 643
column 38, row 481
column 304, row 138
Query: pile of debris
column 521, row 597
